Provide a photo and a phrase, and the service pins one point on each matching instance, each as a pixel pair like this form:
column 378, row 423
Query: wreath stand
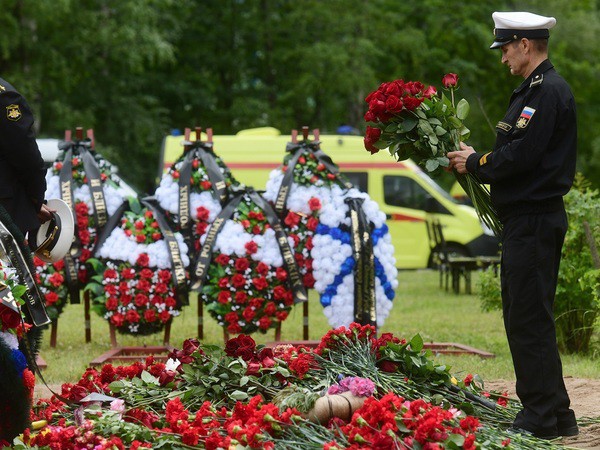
column 134, row 353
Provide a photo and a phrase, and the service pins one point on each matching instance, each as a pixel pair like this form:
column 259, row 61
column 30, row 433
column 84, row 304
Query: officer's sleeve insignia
column 2, row 88
column 525, row 117
column 504, row 126
column 13, row 112
column 483, row 160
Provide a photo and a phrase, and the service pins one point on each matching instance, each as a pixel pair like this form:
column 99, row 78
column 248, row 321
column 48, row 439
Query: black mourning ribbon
column 297, row 150
column 94, row 181
column 364, row 271
column 204, row 152
column 204, row 259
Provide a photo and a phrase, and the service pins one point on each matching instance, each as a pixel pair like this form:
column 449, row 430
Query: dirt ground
column 585, row 401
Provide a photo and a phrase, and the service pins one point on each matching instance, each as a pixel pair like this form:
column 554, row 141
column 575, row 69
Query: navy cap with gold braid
column 511, row 26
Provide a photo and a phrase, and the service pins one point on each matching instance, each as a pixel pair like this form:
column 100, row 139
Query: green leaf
column 416, row 343
column 409, row 124
column 455, row 122
column 443, row 161
column 238, row 395
column 440, row 131
column 465, row 133
column 116, row 386
column 148, row 378
column 462, row 109
column 434, row 121
column 244, row 380
column 421, row 114
column 391, row 128
column 431, row 165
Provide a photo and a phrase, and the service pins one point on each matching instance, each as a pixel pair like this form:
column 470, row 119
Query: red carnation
column 143, row 260
column 314, row 204
column 292, row 219
column 251, row 247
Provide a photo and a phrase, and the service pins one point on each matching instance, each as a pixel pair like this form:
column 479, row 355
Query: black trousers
column 531, row 252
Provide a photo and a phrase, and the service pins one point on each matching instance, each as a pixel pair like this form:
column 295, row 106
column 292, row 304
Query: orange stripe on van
column 405, row 218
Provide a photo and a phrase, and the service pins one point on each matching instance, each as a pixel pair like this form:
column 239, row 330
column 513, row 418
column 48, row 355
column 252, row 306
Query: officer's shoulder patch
column 537, row 80
column 525, row 117
column 13, row 112
column 504, row 126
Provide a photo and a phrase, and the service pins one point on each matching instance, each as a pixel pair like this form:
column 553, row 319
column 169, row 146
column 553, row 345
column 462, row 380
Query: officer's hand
column 458, row 160
column 45, row 214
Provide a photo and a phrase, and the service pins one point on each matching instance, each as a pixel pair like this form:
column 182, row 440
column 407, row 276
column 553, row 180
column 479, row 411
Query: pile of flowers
column 204, row 208
column 86, row 231
column 247, row 285
column 317, row 218
column 216, row 398
column 133, row 287
column 413, row 121
column 16, row 389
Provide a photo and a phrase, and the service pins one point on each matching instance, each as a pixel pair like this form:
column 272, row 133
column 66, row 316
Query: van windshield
column 435, row 186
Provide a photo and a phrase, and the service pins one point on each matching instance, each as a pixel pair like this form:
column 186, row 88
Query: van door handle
column 388, row 216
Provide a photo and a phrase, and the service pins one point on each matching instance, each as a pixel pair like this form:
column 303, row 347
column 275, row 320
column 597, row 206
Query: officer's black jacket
column 532, row 164
column 22, row 172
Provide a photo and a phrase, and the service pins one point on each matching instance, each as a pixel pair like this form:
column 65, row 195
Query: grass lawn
column 420, row 307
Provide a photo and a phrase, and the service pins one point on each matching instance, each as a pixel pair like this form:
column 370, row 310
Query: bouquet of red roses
column 413, row 121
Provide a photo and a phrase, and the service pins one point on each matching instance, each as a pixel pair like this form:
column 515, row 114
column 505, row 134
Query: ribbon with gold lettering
column 177, row 267
column 205, row 256
column 297, row 149
column 66, row 194
column 111, row 224
column 289, row 261
column 202, row 151
column 94, row 180
column 364, row 270
column 22, row 265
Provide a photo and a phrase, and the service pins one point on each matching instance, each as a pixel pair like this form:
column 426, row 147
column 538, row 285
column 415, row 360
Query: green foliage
column 490, row 293
column 577, row 305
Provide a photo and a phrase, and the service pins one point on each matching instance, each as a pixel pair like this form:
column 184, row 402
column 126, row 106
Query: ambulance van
column 403, row 191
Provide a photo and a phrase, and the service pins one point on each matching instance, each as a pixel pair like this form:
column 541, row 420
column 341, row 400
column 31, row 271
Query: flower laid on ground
column 133, row 286
column 214, row 398
column 317, row 218
column 413, row 121
column 247, row 286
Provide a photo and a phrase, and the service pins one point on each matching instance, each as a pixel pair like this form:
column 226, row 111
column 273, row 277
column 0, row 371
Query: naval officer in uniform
column 530, row 168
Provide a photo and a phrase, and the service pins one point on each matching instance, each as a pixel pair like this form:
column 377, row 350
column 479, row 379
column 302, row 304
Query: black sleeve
column 18, row 145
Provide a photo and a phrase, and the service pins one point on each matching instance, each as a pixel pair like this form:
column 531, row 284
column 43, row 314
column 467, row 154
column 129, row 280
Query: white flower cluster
column 232, row 240
column 119, row 247
column 113, row 196
column 167, row 194
column 329, row 254
column 8, row 275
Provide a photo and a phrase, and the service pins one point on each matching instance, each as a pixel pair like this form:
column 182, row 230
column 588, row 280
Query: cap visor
column 498, row 44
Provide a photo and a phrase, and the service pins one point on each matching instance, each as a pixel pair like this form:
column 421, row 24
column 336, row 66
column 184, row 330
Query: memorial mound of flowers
column 77, row 172
column 316, row 204
column 140, row 278
column 353, row 392
column 246, row 272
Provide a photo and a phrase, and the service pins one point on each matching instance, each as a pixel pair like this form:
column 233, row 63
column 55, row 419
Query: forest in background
column 133, row 70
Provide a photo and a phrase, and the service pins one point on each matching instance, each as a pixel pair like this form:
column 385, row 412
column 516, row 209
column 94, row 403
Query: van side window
column 359, row 180
column 404, row 192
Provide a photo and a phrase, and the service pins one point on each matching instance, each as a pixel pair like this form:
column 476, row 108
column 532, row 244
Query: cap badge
column 13, row 112
column 525, row 117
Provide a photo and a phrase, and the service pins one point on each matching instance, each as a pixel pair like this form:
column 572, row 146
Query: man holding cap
column 529, row 170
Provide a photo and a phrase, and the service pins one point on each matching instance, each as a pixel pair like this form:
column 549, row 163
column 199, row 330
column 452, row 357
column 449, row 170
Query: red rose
column 140, row 238
column 141, row 300
column 281, row 315
column 111, row 303
column 139, row 224
column 164, row 316
column 51, row 298
column 110, row 289
column 260, row 283
column 234, row 328
column 308, row 280
column 164, row 275
column 248, row 314
column 256, row 302
column 223, row 283
column 156, row 236
column 143, row 285
column 312, row 223
column 231, row 317
column 377, row 107
column 132, row 316
column 393, row 104
column 270, row 309
column 241, row 264
column 388, row 366
column 171, row 302
column 241, row 297
column 9, row 318
column 224, row 297
column 161, row 288
column 110, row 273
column 411, row 103
column 292, row 219
column 243, row 346
column 206, row 185
column 117, row 319
column 143, row 260
column 262, row 268
column 150, row 315
column 314, row 204
column 371, row 137
column 450, row 80
column 202, row 213
column 238, row 281
column 222, row 259
column 146, row 273
column 281, row 274
column 251, row 247
column 266, row 357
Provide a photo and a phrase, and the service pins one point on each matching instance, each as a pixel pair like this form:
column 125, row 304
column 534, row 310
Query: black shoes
column 540, row 434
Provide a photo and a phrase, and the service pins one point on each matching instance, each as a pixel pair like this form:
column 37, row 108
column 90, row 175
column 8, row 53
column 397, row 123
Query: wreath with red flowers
column 133, row 287
column 247, row 288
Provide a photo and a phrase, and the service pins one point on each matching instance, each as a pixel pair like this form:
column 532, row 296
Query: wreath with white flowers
column 17, row 380
column 317, row 192
column 203, row 206
column 133, row 286
column 51, row 278
column 247, row 284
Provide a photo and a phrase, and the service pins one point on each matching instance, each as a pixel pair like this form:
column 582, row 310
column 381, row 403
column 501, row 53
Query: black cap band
column 506, row 35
